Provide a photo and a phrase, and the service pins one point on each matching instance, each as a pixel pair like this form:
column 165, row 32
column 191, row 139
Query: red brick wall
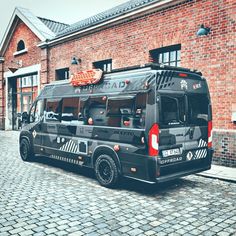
column 22, row 32
column 33, row 56
column 129, row 44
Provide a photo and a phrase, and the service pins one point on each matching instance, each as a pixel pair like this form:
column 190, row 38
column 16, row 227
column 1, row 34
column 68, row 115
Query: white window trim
column 20, row 52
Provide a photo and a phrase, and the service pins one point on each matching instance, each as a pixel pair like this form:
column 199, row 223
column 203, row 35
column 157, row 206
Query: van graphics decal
column 197, row 86
column 184, row 84
column 201, row 153
column 34, row 133
column 189, row 156
column 66, row 159
column 171, row 160
column 69, row 147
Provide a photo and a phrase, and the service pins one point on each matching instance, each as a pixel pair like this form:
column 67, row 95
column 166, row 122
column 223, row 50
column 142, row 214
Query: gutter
column 152, row 7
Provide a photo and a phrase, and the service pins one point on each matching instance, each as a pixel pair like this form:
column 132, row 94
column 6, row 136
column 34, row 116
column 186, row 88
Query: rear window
column 198, row 109
column 172, row 110
column 184, row 109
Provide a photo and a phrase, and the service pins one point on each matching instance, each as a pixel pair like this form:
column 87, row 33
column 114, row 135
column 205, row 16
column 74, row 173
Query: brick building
column 132, row 33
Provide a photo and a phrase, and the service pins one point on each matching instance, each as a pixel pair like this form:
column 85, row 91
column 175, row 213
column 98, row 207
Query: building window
column 167, row 55
column 28, row 81
column 20, row 45
column 62, row 74
column 105, row 65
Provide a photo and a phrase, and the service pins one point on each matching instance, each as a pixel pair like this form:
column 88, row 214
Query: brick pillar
column 2, row 100
column 44, row 67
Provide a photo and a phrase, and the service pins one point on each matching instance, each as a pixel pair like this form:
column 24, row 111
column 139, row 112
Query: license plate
column 171, row 152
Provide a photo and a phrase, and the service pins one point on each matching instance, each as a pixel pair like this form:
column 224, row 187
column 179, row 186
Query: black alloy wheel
column 26, row 150
column 106, row 171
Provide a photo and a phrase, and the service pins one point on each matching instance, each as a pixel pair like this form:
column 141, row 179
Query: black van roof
column 114, row 81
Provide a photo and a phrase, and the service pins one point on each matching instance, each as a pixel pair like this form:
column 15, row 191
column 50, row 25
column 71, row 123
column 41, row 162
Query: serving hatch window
column 70, row 109
column 52, row 110
column 118, row 106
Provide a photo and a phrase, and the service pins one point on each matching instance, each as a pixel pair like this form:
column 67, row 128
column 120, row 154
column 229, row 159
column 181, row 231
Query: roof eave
column 12, row 25
column 152, row 7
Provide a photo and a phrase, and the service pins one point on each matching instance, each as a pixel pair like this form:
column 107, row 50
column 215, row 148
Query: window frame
column 104, row 65
column 158, row 53
column 58, row 73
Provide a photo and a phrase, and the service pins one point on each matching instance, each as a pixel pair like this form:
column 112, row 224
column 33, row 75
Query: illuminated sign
column 86, row 77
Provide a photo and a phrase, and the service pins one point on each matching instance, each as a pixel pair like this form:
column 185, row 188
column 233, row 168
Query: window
column 53, row 110
column 105, row 65
column 96, row 111
column 167, row 55
column 20, row 45
column 28, row 81
column 36, row 111
column 62, row 74
column 70, row 110
column 198, row 109
column 172, row 110
column 127, row 111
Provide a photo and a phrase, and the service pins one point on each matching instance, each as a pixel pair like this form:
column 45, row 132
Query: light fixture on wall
column 203, row 30
column 18, row 64
column 75, row 61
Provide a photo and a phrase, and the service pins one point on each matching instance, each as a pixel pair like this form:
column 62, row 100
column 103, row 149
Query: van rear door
column 184, row 115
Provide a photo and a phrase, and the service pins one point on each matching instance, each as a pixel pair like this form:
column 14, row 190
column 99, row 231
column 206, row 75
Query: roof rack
column 155, row 66
column 65, row 81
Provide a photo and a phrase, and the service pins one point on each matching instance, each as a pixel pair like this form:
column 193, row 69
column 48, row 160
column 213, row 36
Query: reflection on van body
column 156, row 127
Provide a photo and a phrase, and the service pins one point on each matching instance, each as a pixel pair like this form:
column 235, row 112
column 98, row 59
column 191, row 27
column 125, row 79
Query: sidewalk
column 220, row 172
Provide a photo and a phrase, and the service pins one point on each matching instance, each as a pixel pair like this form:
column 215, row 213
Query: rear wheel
column 106, row 171
column 26, row 150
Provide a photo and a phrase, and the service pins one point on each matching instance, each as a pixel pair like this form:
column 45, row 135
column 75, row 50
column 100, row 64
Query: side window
column 70, row 110
column 140, row 110
column 173, row 110
column 36, row 111
column 120, row 111
column 52, row 110
column 96, row 111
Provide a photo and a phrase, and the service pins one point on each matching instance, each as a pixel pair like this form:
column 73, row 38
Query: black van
column 152, row 123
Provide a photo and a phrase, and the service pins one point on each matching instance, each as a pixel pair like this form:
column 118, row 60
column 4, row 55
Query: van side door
column 35, row 120
column 50, row 125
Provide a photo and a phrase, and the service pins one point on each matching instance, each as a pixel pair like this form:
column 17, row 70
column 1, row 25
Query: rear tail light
column 210, row 134
column 153, row 140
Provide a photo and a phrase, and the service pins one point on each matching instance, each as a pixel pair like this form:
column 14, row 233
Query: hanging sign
column 86, row 77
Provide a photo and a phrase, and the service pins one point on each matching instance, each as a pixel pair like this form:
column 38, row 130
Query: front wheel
column 106, row 171
column 26, row 150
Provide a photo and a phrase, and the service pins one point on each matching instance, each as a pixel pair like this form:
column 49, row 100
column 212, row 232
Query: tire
column 106, row 171
column 26, row 150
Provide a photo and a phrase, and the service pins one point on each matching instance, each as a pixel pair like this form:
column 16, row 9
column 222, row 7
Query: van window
column 172, row 110
column 127, row 111
column 198, row 109
column 96, row 111
column 36, row 111
column 70, row 110
column 52, row 110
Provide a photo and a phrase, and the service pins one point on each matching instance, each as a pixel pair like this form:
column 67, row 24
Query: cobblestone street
column 46, row 198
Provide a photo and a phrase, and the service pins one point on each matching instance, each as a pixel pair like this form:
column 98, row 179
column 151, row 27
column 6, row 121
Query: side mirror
column 25, row 117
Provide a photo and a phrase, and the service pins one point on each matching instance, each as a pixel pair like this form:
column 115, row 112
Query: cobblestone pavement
column 58, row 199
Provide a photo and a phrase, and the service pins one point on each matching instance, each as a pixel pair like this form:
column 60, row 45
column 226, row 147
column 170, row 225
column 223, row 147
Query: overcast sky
column 66, row 11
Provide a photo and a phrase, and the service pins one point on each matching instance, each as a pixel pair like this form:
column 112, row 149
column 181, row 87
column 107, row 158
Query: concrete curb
column 221, row 173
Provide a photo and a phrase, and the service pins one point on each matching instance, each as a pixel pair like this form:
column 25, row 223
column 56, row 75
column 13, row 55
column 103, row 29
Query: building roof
column 114, row 12
column 54, row 26
column 33, row 22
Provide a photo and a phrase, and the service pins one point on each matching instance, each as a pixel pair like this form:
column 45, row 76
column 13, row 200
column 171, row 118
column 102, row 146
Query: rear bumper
column 150, row 169
column 177, row 170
